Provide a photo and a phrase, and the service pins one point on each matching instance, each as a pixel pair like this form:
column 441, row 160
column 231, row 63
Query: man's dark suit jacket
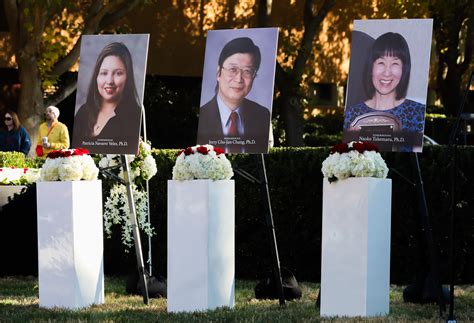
column 256, row 120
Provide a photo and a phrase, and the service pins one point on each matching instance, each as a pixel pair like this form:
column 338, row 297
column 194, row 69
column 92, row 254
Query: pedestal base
column 355, row 264
column 200, row 245
column 70, row 244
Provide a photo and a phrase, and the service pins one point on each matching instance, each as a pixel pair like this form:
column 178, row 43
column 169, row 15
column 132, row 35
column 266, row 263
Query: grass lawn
column 19, row 302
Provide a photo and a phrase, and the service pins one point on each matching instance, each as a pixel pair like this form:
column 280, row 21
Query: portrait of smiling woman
column 387, row 114
column 110, row 117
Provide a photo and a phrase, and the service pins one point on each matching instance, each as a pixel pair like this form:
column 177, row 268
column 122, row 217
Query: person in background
column 13, row 136
column 52, row 134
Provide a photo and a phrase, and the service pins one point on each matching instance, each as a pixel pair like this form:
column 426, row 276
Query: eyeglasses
column 246, row 73
column 8, row 119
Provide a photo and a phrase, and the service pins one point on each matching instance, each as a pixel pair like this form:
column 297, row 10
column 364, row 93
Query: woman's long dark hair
column 16, row 121
column 129, row 97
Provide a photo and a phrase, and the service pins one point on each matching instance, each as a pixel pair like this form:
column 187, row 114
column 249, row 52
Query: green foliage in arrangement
column 19, row 303
column 12, row 159
column 36, row 162
column 18, row 160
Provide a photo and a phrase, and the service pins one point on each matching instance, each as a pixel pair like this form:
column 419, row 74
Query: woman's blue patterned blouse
column 410, row 113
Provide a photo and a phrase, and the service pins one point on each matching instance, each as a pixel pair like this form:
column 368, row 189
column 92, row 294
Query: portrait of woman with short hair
column 387, row 116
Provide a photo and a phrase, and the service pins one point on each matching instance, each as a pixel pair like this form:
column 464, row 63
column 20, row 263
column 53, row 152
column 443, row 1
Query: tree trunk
column 288, row 81
column 26, row 21
column 292, row 113
column 452, row 42
column 31, row 97
column 450, row 90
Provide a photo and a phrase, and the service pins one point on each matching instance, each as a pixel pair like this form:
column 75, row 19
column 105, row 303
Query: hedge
column 12, row 159
column 295, row 182
column 18, row 160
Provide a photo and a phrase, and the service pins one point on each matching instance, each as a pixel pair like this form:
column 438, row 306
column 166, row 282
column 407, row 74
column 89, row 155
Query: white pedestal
column 70, row 244
column 355, row 264
column 200, row 245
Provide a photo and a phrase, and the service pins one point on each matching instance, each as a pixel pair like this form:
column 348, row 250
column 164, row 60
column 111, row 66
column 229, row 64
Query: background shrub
column 12, row 159
column 295, row 182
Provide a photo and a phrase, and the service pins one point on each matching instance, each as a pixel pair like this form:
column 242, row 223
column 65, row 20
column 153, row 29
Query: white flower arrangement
column 18, row 176
column 69, row 165
column 142, row 166
column 355, row 159
column 202, row 162
column 116, row 210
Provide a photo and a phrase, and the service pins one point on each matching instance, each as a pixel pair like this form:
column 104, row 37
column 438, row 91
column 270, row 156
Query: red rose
column 218, row 151
column 188, row 151
column 370, row 146
column 202, row 150
column 340, row 148
column 359, row 146
column 54, row 154
column 80, row 152
column 25, row 170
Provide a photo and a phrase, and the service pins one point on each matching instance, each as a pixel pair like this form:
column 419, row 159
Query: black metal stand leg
column 452, row 236
column 147, row 189
column 425, row 224
column 452, row 148
column 136, row 232
column 271, row 229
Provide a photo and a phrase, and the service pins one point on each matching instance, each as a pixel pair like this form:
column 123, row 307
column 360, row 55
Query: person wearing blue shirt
column 13, row 136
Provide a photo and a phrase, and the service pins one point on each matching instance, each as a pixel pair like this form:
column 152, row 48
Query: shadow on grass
column 19, row 302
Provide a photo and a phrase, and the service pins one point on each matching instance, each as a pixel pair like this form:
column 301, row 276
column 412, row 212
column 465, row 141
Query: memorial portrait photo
column 110, row 93
column 388, row 83
column 237, row 89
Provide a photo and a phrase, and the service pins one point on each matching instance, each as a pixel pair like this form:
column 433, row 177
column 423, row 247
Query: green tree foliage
column 45, row 37
column 314, row 44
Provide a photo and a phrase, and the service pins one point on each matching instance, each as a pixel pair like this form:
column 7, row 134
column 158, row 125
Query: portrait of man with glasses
column 229, row 119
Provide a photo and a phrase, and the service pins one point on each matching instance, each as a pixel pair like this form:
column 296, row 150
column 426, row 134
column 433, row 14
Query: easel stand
column 428, row 232
column 147, row 189
column 450, row 157
column 136, row 232
column 127, row 181
column 269, row 220
column 452, row 212
column 133, row 218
